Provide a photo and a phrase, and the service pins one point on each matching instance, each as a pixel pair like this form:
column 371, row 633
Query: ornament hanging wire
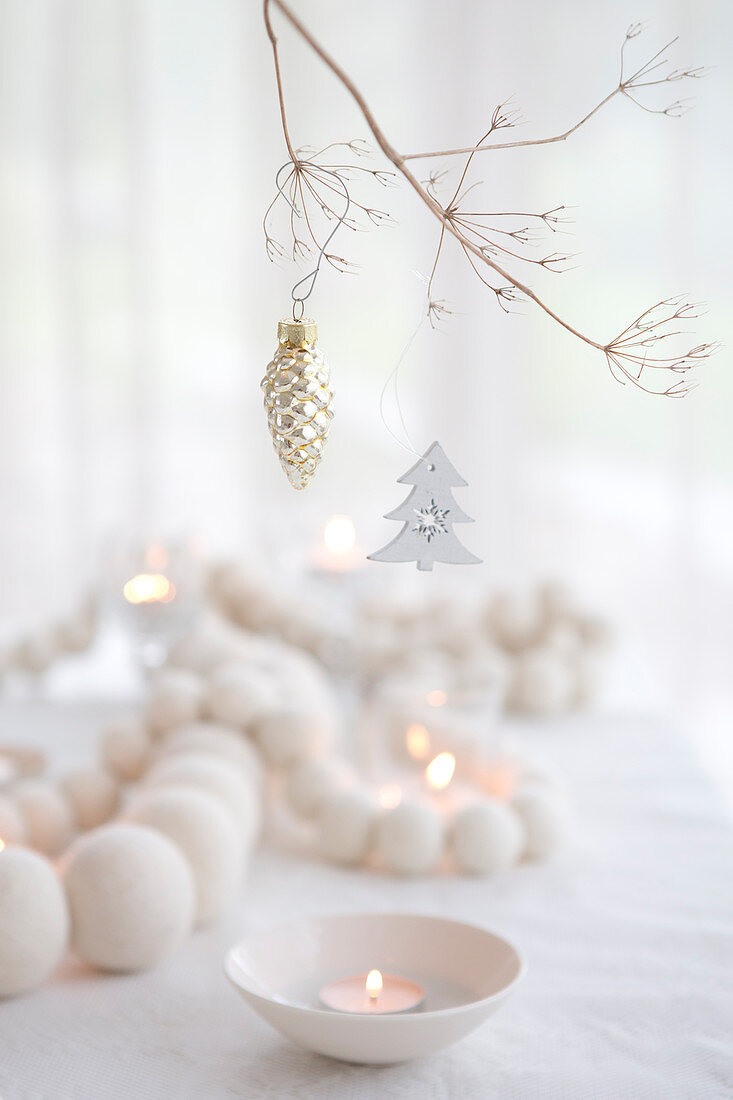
column 394, row 376
column 309, row 281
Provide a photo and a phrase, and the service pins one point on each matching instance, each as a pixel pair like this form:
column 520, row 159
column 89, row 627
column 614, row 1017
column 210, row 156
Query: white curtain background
column 138, row 310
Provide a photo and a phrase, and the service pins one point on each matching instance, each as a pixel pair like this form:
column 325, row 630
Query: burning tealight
column 339, row 535
column 338, row 552
column 417, row 740
column 374, row 993
column 149, row 588
column 439, row 771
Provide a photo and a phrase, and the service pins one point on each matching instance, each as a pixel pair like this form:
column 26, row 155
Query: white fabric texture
column 628, row 936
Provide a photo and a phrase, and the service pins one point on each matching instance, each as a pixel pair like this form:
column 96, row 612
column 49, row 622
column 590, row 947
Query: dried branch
column 482, row 241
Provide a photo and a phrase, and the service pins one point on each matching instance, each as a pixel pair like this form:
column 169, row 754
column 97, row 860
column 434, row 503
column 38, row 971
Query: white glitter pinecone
column 298, row 400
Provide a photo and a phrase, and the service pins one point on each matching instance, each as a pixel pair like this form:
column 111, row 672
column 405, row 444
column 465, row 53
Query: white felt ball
column 36, row 653
column 34, row 921
column 376, row 648
column 76, row 634
column 205, row 832
column 253, row 602
column 93, row 795
column 225, row 579
column 564, row 638
column 514, row 620
column 595, row 632
column 542, row 683
column 544, row 814
column 208, row 737
column 312, row 782
column 125, row 749
column 175, row 699
column 345, row 827
column 210, row 645
column 239, row 794
column 47, row 815
column 131, row 896
column 237, row 695
column 12, row 826
column 488, row 836
column 411, row 838
column 288, row 735
column 555, row 601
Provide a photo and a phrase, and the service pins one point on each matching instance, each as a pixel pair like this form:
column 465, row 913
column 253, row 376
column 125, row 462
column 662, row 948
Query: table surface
column 628, row 934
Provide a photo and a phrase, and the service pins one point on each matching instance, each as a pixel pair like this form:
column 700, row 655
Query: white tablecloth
column 629, row 937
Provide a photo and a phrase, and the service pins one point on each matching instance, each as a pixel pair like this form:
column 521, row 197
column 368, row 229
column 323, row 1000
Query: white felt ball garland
column 203, row 772
column 544, row 814
column 488, row 836
column 34, row 920
column 131, row 896
column 207, row 834
column 175, row 859
column 12, row 825
column 47, row 815
column 411, row 838
column 236, row 696
column 93, row 795
column 313, row 781
column 176, row 697
column 292, row 734
column 345, row 826
column 214, row 740
column 125, row 749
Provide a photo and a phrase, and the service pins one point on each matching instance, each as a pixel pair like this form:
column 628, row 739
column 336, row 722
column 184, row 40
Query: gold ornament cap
column 297, row 333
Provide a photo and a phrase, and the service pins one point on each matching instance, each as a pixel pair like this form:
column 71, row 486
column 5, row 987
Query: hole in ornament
column 431, row 467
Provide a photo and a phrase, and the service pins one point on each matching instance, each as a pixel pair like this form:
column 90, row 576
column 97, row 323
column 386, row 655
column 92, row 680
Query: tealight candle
column 338, row 552
column 373, row 994
column 439, row 771
column 417, row 741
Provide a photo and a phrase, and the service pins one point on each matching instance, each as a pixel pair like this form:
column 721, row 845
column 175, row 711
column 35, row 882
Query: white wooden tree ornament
column 429, row 513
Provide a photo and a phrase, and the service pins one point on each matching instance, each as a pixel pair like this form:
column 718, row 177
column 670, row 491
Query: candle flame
column 374, row 984
column 418, row 741
column 339, row 535
column 2, row 844
column 439, row 771
column 436, row 698
column 149, row 588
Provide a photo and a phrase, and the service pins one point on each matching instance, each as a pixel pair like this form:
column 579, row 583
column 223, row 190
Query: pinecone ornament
column 298, row 400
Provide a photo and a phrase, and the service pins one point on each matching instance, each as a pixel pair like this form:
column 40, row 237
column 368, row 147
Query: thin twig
column 465, row 228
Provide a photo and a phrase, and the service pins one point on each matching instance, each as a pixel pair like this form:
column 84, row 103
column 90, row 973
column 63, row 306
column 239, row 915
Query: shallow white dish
column 467, row 973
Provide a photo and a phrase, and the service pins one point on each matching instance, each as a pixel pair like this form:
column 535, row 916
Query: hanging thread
column 393, row 377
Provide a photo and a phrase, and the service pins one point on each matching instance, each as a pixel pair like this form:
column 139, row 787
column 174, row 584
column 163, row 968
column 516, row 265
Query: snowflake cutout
column 431, row 521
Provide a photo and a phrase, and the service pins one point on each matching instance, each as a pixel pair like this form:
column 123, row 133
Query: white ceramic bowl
column 467, row 973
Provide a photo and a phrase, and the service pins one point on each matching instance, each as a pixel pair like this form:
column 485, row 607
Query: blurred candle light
column 338, row 552
column 339, row 535
column 417, row 740
column 149, row 588
column 436, row 698
column 439, row 771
